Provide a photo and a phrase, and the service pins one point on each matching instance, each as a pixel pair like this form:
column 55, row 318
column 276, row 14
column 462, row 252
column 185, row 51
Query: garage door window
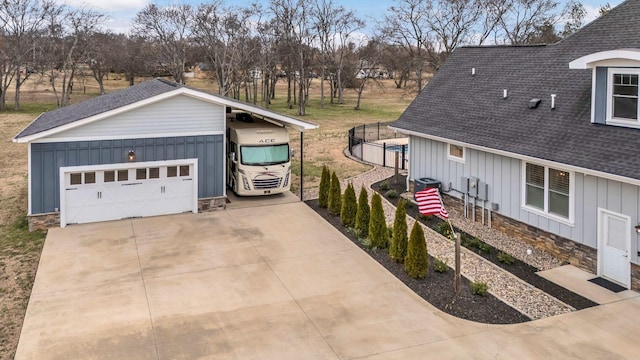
column 154, row 173
column 184, row 170
column 109, row 176
column 141, row 174
column 90, row 178
column 123, row 175
column 76, row 179
column 172, row 171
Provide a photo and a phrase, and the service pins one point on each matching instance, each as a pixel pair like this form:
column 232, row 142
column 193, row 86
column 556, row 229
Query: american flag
column 429, row 203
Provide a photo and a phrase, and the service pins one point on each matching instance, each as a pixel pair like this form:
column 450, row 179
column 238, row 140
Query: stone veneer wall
column 635, row 277
column 212, row 204
column 43, row 221
column 48, row 220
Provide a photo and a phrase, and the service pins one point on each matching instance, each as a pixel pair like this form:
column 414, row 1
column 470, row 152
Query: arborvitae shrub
column 378, row 233
column 416, row 263
column 362, row 215
column 349, row 207
column 323, row 192
column 335, row 195
column 398, row 247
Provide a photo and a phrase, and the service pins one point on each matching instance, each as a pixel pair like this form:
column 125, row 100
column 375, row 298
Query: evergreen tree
column 349, row 207
column 378, row 233
column 416, row 263
column 323, row 194
column 398, row 247
column 335, row 195
column 362, row 215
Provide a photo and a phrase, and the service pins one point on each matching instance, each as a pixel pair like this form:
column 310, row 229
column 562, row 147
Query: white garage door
column 113, row 192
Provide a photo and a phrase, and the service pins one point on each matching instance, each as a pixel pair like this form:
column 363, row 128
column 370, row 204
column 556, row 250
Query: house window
column 455, row 153
column 623, row 95
column 547, row 190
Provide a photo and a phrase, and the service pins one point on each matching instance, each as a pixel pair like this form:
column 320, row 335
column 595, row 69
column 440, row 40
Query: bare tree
column 294, row 22
column 523, row 18
column 407, row 27
column 335, row 26
column 102, row 56
column 368, row 59
column 454, row 23
column 68, row 47
column 221, row 33
column 169, row 30
column 22, row 25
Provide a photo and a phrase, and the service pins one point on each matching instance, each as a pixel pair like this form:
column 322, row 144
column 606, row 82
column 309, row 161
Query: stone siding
column 43, row 221
column 212, row 204
column 635, row 277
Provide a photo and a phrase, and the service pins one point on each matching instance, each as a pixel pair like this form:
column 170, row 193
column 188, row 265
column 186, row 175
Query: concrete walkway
column 268, row 282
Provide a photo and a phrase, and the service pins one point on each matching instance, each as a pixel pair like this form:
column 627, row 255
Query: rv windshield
column 264, row 155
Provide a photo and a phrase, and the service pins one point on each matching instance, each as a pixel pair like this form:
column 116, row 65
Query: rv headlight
column 245, row 182
column 286, row 179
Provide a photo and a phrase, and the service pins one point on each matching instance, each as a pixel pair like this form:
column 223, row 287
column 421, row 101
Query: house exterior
column 151, row 149
column 546, row 138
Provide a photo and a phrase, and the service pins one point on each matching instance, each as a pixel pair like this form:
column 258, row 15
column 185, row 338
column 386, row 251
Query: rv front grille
column 273, row 183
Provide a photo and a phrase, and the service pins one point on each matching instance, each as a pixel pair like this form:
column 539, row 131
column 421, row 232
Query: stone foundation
column 635, row 277
column 43, row 221
column 212, row 204
column 576, row 254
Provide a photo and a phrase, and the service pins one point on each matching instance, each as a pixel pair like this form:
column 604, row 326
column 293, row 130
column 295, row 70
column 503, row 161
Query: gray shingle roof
column 98, row 105
column 458, row 106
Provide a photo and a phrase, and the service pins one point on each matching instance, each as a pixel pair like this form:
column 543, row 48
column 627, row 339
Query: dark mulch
column 520, row 269
column 437, row 288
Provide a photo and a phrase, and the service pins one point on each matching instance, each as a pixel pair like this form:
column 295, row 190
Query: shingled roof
column 471, row 109
column 66, row 115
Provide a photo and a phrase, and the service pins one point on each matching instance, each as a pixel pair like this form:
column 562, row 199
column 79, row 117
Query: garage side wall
column 47, row 158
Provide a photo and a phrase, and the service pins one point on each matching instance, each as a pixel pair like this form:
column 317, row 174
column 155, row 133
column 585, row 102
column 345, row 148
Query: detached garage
column 155, row 148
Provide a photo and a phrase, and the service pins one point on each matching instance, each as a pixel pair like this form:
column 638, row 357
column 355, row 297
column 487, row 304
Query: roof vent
column 553, row 101
column 504, row 94
column 244, row 117
column 533, row 103
column 473, row 71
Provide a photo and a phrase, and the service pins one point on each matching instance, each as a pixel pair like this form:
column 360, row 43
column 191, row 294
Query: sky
column 121, row 12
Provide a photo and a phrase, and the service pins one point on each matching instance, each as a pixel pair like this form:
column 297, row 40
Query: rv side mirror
column 293, row 153
column 232, row 155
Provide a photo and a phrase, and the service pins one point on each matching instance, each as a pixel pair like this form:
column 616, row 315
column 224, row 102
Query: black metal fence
column 375, row 143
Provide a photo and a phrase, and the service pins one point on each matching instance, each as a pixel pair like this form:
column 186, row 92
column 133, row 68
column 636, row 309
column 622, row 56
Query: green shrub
column 399, row 238
column 444, row 229
column 362, row 215
column 485, row 248
column 416, row 263
column 323, row 192
column 349, row 207
column 384, row 186
column 440, row 266
column 479, row 288
column 505, row 258
column 378, row 233
column 335, row 195
column 391, row 194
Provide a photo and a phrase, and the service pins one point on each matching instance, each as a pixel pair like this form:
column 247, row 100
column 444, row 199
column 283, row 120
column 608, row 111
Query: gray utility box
column 426, row 183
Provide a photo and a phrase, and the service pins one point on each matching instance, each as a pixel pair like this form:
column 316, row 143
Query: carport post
column 301, row 165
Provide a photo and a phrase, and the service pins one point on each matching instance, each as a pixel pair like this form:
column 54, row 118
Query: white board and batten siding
column 428, row 158
column 176, row 116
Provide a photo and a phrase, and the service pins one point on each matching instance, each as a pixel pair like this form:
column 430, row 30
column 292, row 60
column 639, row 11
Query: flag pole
column 456, row 238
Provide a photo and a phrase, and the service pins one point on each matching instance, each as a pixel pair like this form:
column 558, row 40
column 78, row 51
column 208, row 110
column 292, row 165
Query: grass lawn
column 20, row 250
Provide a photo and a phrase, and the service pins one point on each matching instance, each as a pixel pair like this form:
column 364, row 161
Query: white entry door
column 112, row 192
column 614, row 242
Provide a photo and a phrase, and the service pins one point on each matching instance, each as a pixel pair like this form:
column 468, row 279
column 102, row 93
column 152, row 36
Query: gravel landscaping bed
column 518, row 268
column 437, row 288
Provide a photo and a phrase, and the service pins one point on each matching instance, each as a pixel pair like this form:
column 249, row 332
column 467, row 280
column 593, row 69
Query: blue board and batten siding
column 428, row 158
column 47, row 158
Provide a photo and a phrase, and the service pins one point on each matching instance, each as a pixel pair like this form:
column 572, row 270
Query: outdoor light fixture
column 132, row 155
column 638, row 229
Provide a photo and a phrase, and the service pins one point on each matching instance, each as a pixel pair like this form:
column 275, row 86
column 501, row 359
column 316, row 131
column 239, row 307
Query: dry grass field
column 20, row 250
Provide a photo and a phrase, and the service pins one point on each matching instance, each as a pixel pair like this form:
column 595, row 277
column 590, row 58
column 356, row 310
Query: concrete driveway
column 270, row 282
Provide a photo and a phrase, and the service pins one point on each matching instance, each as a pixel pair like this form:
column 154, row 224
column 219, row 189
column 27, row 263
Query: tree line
column 248, row 49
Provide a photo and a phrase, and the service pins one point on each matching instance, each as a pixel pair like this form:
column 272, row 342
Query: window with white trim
column 548, row 190
column 622, row 93
column 455, row 152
